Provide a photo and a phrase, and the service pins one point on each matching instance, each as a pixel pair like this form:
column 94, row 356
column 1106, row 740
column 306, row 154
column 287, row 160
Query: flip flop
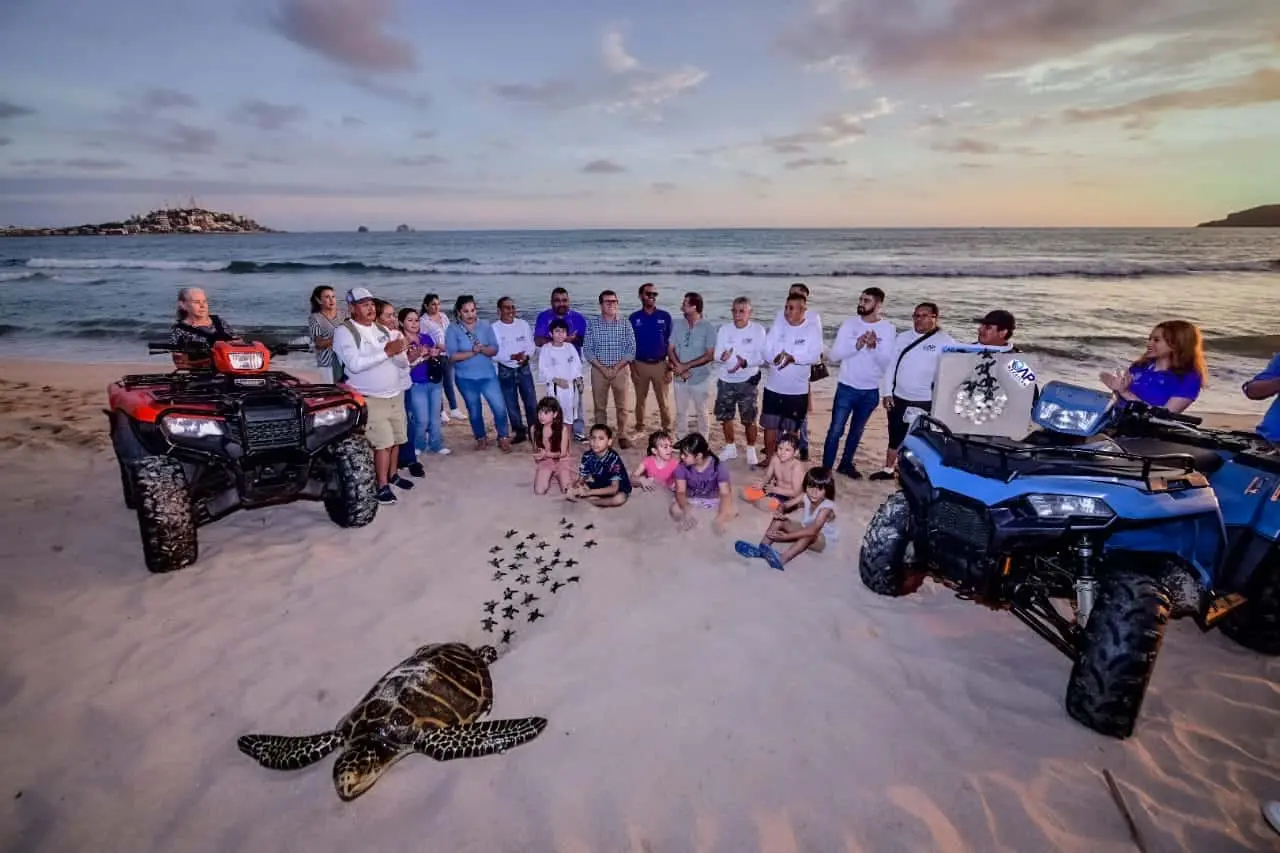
column 746, row 549
column 771, row 557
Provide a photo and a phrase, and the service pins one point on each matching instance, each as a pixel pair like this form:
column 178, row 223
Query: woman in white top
column 434, row 323
column 815, row 529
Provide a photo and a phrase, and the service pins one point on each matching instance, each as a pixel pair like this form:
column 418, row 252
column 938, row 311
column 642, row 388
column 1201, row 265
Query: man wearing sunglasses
column 652, row 327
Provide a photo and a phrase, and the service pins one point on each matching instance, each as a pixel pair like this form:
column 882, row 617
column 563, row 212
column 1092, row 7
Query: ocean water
column 1085, row 299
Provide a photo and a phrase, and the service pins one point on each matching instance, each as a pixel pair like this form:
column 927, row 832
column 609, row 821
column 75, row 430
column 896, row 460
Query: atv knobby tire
column 1256, row 623
column 1117, row 653
column 126, row 457
column 352, row 500
column 165, row 517
column 883, row 559
column 126, row 483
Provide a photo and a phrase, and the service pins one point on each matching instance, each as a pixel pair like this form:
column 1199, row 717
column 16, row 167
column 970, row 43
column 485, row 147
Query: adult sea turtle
column 427, row 703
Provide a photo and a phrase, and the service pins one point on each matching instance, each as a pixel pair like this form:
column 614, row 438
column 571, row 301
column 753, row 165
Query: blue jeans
column 423, row 400
column 472, row 390
column 448, row 384
column 517, row 385
column 853, row 406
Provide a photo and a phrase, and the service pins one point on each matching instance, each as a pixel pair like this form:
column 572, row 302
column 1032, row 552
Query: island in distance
column 1266, row 216
column 186, row 220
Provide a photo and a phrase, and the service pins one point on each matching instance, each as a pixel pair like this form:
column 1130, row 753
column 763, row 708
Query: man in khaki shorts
column 369, row 354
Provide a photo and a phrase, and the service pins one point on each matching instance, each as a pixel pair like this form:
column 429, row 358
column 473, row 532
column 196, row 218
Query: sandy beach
column 697, row 701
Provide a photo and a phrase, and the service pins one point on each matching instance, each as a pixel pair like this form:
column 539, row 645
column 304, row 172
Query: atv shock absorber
column 1086, row 584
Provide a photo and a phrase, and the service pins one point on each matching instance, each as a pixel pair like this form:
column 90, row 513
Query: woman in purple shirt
column 1170, row 373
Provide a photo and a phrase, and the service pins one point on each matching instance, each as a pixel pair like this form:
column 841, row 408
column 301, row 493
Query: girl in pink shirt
column 659, row 466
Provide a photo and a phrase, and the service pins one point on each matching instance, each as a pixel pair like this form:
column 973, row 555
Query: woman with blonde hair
column 1170, row 373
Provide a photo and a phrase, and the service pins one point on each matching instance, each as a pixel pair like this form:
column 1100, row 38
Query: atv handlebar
column 198, row 349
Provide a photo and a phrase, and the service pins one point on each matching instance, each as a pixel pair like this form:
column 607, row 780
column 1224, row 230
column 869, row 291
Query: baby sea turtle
column 427, row 703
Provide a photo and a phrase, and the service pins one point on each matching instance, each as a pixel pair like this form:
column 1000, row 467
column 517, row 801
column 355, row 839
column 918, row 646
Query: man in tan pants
column 652, row 331
column 610, row 347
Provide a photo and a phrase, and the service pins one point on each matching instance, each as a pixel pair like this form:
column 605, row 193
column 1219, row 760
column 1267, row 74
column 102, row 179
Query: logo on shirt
column 1021, row 371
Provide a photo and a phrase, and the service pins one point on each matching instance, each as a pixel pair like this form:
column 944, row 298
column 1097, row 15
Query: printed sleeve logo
column 1021, row 371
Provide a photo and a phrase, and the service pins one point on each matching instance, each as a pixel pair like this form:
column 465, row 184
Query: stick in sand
column 1124, row 810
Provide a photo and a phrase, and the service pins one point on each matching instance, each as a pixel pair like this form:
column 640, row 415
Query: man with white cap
column 367, row 352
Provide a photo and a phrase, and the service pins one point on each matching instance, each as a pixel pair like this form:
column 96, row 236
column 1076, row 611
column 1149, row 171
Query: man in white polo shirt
column 794, row 345
column 366, row 351
column 864, row 345
column 740, row 348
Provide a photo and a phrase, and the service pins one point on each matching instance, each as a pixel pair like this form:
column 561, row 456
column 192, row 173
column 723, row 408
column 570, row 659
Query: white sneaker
column 444, row 416
column 457, row 414
column 752, row 459
column 730, row 452
column 444, row 451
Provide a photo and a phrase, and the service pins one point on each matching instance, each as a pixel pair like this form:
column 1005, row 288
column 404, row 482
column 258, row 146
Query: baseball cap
column 999, row 318
column 358, row 294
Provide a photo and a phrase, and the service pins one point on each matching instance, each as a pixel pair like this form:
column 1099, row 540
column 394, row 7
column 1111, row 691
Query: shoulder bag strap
column 893, row 390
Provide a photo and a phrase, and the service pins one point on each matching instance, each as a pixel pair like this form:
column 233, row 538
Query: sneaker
column 401, row 482
column 444, row 451
column 444, row 416
column 386, row 496
column 772, row 557
column 457, row 414
column 579, row 437
column 1271, row 811
column 746, row 549
column 730, row 452
column 752, row 459
column 849, row 471
column 416, row 470
column 882, row 474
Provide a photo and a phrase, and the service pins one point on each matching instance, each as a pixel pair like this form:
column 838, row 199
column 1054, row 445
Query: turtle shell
column 440, row 685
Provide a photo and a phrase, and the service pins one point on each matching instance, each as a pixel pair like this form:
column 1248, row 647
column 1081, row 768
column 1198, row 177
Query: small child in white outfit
column 814, row 530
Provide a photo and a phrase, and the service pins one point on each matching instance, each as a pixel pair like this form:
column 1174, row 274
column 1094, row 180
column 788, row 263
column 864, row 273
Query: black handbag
column 818, row 371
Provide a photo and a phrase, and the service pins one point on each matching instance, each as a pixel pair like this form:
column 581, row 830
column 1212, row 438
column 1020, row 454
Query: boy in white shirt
column 864, row 345
column 515, row 376
column 560, row 369
column 739, row 352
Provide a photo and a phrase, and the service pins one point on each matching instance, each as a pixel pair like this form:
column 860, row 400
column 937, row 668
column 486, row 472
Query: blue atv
column 1131, row 514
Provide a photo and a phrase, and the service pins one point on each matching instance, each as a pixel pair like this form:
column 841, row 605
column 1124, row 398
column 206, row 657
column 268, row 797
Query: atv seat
column 1206, row 460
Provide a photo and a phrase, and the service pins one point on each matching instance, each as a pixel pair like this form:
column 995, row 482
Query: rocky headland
column 1266, row 216
column 187, row 220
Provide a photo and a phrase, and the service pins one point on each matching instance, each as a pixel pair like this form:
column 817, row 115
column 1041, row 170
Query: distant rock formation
column 187, row 220
column 363, row 229
column 403, row 229
column 1266, row 216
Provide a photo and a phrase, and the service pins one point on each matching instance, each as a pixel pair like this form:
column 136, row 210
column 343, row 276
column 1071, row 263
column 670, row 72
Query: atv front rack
column 1005, row 460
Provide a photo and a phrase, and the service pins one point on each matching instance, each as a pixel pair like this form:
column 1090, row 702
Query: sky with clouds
column 325, row 114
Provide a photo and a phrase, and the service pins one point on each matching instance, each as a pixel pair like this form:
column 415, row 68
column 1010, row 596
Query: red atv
column 228, row 433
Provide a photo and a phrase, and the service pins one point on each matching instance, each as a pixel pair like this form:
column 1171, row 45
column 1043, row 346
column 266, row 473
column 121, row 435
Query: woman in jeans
column 472, row 345
column 423, row 397
column 435, row 323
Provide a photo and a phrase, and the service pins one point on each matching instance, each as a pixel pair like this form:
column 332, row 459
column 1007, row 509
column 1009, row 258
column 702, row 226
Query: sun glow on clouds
column 951, row 112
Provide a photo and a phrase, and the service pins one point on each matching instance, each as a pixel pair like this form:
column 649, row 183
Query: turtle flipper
column 473, row 740
column 281, row 752
column 360, row 765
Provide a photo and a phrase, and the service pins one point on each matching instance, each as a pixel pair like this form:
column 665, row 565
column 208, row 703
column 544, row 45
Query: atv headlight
column 1067, row 419
column 245, row 360
column 331, row 417
column 182, row 426
column 1069, row 506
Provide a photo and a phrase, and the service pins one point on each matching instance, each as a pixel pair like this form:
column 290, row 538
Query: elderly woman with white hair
column 195, row 325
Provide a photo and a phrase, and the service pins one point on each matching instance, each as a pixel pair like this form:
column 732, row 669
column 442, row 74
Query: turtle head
column 360, row 765
column 488, row 654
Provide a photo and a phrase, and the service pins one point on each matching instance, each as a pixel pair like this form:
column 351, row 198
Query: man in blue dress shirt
column 652, row 327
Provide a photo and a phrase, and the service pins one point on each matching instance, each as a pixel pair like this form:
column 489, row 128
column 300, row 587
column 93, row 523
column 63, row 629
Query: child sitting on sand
column 783, row 477
column 552, row 440
column 659, row 465
column 701, row 481
column 602, row 478
column 816, row 528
